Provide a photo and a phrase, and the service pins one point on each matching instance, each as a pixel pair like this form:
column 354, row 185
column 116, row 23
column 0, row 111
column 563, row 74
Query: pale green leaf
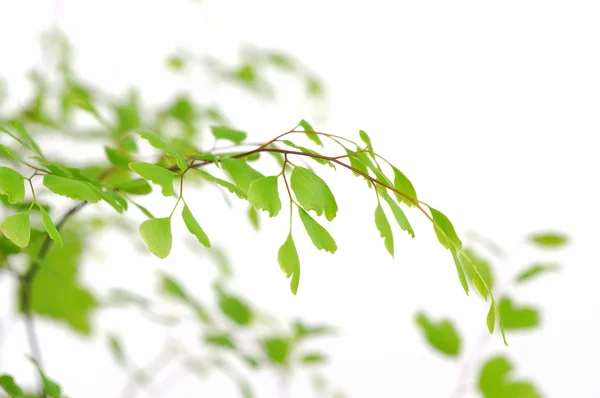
column 235, row 309
column 441, row 335
column 515, row 317
column 319, row 235
column 157, row 174
column 241, row 173
column 254, row 218
column 263, row 194
column 116, row 348
column 366, row 139
column 117, row 157
column 225, row 184
column 50, row 227
column 277, row 350
column 403, row 184
column 17, row 228
column 21, row 130
column 314, row 359
column 229, row 134
column 158, row 143
column 480, row 286
column 313, row 193
column 549, row 239
column 534, row 271
column 384, row 228
column 308, row 128
column 460, row 270
column 399, row 215
column 156, row 234
column 12, row 184
column 71, row 188
column 445, row 231
column 491, row 318
column 495, row 381
column 193, row 226
column 137, row 186
column 288, row 257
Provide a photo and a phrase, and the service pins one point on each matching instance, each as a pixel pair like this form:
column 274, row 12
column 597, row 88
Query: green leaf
column 534, row 271
column 241, row 172
column 193, row 226
column 117, row 157
column 403, row 184
column 225, row 184
column 74, row 189
column 313, row 193
column 23, row 133
column 172, row 288
column 460, row 270
column 295, row 282
column 319, row 235
column 302, row 330
column 549, row 239
column 384, row 228
column 137, row 186
column 353, row 157
column 277, row 350
column 144, row 210
column 472, row 261
column 515, row 317
column 50, row 386
column 158, row 175
column 49, row 225
column 313, row 359
column 235, row 309
column 17, row 228
column 254, row 218
column 116, row 348
column 158, row 143
column 491, row 318
column 480, row 287
column 263, row 194
column 12, row 184
column 6, row 152
column 222, row 340
column 445, row 231
column 289, row 262
column 398, row 214
column 226, row 133
column 9, row 386
column 310, row 152
column 495, row 381
column 207, row 157
column 366, row 139
column 441, row 335
column 307, row 127
column 156, row 234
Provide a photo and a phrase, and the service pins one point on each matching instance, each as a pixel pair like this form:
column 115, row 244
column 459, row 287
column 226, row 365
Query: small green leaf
column 235, row 309
column 514, row 317
column 17, row 228
column 158, row 175
column 254, row 218
column 313, row 359
column 313, row 193
column 225, row 184
column 289, row 262
column 226, row 133
column 74, row 189
column 316, row 156
column 441, row 335
column 366, row 139
column 263, row 194
column 21, row 130
column 49, row 225
column 277, row 349
column 535, row 271
column 295, row 282
column 473, row 261
column 495, row 381
column 50, row 387
column 222, row 340
column 385, row 230
column 353, row 157
column 460, row 270
column 491, row 318
column 241, row 172
column 480, row 287
column 6, row 152
column 156, row 234
column 549, row 239
column 116, row 348
column 445, row 231
column 137, row 186
column 403, row 184
column 207, row 157
column 9, row 386
column 117, row 157
column 158, row 143
column 193, row 226
column 399, row 215
column 170, row 287
column 144, row 210
column 308, row 128
column 319, row 235
column 12, row 184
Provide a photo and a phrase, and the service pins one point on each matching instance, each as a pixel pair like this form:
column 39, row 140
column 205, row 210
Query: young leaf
column 365, row 138
column 480, row 287
column 460, row 270
column 445, row 231
column 117, row 158
column 535, row 271
column 193, row 226
column 277, row 349
column 398, row 214
column 21, row 130
column 385, row 230
column 495, row 381
column 49, row 225
column 50, row 387
column 235, row 309
column 158, row 143
column 6, row 152
column 310, row 152
column 158, row 175
column 17, row 228
column 253, row 216
column 225, row 184
column 549, row 239
column 116, row 348
column 313, row 359
column 12, row 184
column 358, row 165
column 295, row 282
column 319, row 235
column 403, row 184
column 156, row 234
column 288, row 257
column 10, row 387
column 442, row 335
column 491, row 318
column 143, row 210
column 514, row 317
column 307, row 127
column 241, row 172
column 222, row 340
column 263, row 194
column 226, row 133
column 313, row 193
column 74, row 189
column 137, row 186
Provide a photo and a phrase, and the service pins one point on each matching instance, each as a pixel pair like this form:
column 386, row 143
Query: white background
column 491, row 108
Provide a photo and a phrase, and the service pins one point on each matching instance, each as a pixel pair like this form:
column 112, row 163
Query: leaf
column 277, row 349
column 116, row 348
column 441, row 335
column 207, row 157
column 9, row 386
column 472, row 261
column 158, row 175
column 158, row 143
column 49, row 225
column 289, row 262
column 313, row 193
column 225, row 184
column 137, row 186
column 23, row 133
column 384, row 228
column 172, row 288
column 241, row 173
column 461, row 271
column 295, row 282
column 549, row 239
column 319, row 235
column 307, row 127
column 491, row 318
column 480, row 287
column 50, row 386
column 308, row 151
column 254, row 218
column 398, row 215
column 144, row 210
column 117, row 157
column 222, row 340
column 534, row 271
column 17, row 228
column 514, row 317
column 12, row 184
column 74, row 189
column 495, row 381
column 235, row 309
column 7, row 152
column 445, row 231
column 313, row 359
column 366, row 139
column 229, row 134
column 302, row 331
column 358, row 165
column 403, row 184
column 263, row 194
column 156, row 234
column 193, row 226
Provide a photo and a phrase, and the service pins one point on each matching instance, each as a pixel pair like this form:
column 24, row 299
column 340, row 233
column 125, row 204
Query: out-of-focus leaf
column 441, row 335
column 549, row 239
column 495, row 381
column 9, row 385
column 12, row 184
column 235, row 309
column 535, row 271
column 158, row 175
column 17, row 228
column 277, row 350
column 515, row 317
column 229, row 134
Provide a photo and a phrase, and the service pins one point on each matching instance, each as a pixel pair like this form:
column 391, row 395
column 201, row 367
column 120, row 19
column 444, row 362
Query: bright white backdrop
column 490, row 108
